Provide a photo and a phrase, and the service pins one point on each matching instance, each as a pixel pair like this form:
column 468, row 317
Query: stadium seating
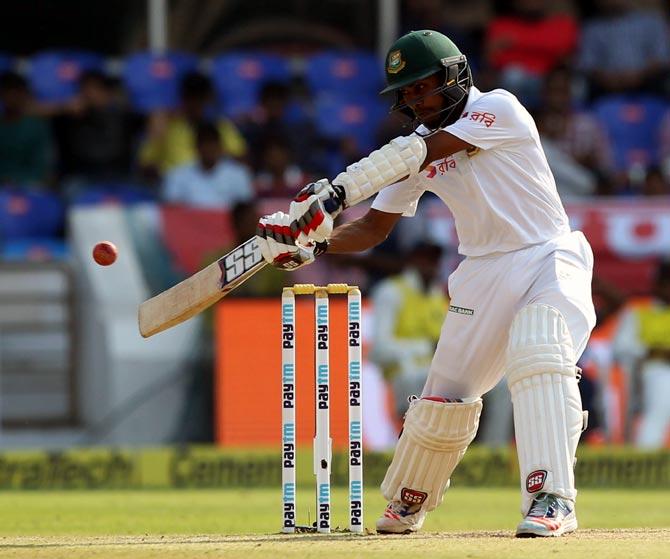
column 152, row 80
column 116, row 194
column 30, row 215
column 33, row 250
column 238, row 78
column 6, row 63
column 633, row 126
column 344, row 74
column 339, row 118
column 54, row 75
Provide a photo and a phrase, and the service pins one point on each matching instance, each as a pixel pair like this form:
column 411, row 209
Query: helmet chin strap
column 463, row 81
column 414, row 121
column 455, row 108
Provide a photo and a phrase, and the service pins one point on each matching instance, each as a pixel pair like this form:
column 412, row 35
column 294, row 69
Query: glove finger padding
column 435, row 437
column 274, row 235
column 313, row 223
column 313, row 211
column 278, row 245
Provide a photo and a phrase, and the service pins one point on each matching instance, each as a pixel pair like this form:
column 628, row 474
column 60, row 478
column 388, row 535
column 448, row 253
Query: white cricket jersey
column 502, row 194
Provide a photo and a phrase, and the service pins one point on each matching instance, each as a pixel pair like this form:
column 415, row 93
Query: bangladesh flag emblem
column 395, row 62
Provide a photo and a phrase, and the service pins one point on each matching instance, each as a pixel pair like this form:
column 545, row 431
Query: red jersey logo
column 487, row 118
column 442, row 167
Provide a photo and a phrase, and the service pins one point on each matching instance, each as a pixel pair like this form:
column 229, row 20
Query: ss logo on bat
column 241, row 260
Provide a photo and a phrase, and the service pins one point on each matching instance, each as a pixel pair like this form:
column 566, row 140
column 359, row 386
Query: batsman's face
column 420, row 98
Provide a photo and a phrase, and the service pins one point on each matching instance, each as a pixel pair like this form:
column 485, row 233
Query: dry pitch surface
column 472, row 523
column 603, row 544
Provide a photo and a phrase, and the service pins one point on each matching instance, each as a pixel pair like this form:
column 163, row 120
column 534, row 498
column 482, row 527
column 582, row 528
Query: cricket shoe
column 401, row 518
column 548, row 516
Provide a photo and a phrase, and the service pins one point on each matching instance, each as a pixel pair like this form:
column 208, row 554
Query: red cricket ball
column 105, row 253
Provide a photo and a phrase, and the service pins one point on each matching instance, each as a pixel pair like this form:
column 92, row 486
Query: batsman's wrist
column 320, row 248
column 336, row 202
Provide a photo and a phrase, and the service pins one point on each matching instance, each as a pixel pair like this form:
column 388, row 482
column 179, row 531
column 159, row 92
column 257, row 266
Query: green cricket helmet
column 420, row 54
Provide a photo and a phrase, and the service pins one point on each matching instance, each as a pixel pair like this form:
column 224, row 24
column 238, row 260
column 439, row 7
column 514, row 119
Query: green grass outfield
column 245, row 523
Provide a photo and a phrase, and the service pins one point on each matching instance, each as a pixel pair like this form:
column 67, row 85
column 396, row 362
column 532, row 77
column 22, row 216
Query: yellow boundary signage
column 211, row 467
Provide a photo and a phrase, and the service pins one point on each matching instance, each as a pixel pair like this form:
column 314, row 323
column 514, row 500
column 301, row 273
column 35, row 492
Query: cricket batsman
column 521, row 302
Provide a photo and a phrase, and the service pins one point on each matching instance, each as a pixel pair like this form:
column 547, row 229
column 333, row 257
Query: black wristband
column 320, row 248
column 340, row 193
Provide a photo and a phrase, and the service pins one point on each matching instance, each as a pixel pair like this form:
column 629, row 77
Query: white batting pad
column 548, row 417
column 396, row 160
column 434, row 439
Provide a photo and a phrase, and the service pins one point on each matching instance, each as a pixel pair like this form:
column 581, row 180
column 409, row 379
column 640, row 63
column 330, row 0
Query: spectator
column 576, row 132
column 214, row 181
column 624, row 49
column 279, row 176
column 409, row 309
column 527, row 44
column 572, row 180
column 171, row 136
column 94, row 134
column 655, row 183
column 597, row 362
column 462, row 22
column 642, row 346
column 576, row 145
column 608, row 301
column 25, row 140
column 273, row 122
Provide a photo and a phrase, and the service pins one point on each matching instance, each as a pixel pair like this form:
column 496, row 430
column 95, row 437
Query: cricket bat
column 201, row 290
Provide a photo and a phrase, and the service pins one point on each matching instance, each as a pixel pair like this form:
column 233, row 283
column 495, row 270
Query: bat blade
column 198, row 292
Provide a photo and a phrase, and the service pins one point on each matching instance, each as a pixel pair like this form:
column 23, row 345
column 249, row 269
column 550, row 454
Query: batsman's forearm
column 355, row 236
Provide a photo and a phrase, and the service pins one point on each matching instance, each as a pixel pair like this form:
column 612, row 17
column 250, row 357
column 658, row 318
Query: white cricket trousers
column 486, row 293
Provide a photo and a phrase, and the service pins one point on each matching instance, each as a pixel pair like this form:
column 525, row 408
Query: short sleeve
column 494, row 119
column 399, row 198
column 245, row 188
column 172, row 186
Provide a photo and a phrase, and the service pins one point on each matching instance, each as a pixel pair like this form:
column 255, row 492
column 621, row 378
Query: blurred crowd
column 224, row 132
column 183, row 155
column 595, row 75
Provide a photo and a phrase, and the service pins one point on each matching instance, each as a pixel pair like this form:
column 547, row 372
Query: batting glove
column 314, row 209
column 278, row 246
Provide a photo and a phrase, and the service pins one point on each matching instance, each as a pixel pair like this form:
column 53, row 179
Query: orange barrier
column 248, row 371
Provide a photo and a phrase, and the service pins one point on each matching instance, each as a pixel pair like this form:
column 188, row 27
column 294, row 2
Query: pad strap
column 396, row 160
column 434, row 439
